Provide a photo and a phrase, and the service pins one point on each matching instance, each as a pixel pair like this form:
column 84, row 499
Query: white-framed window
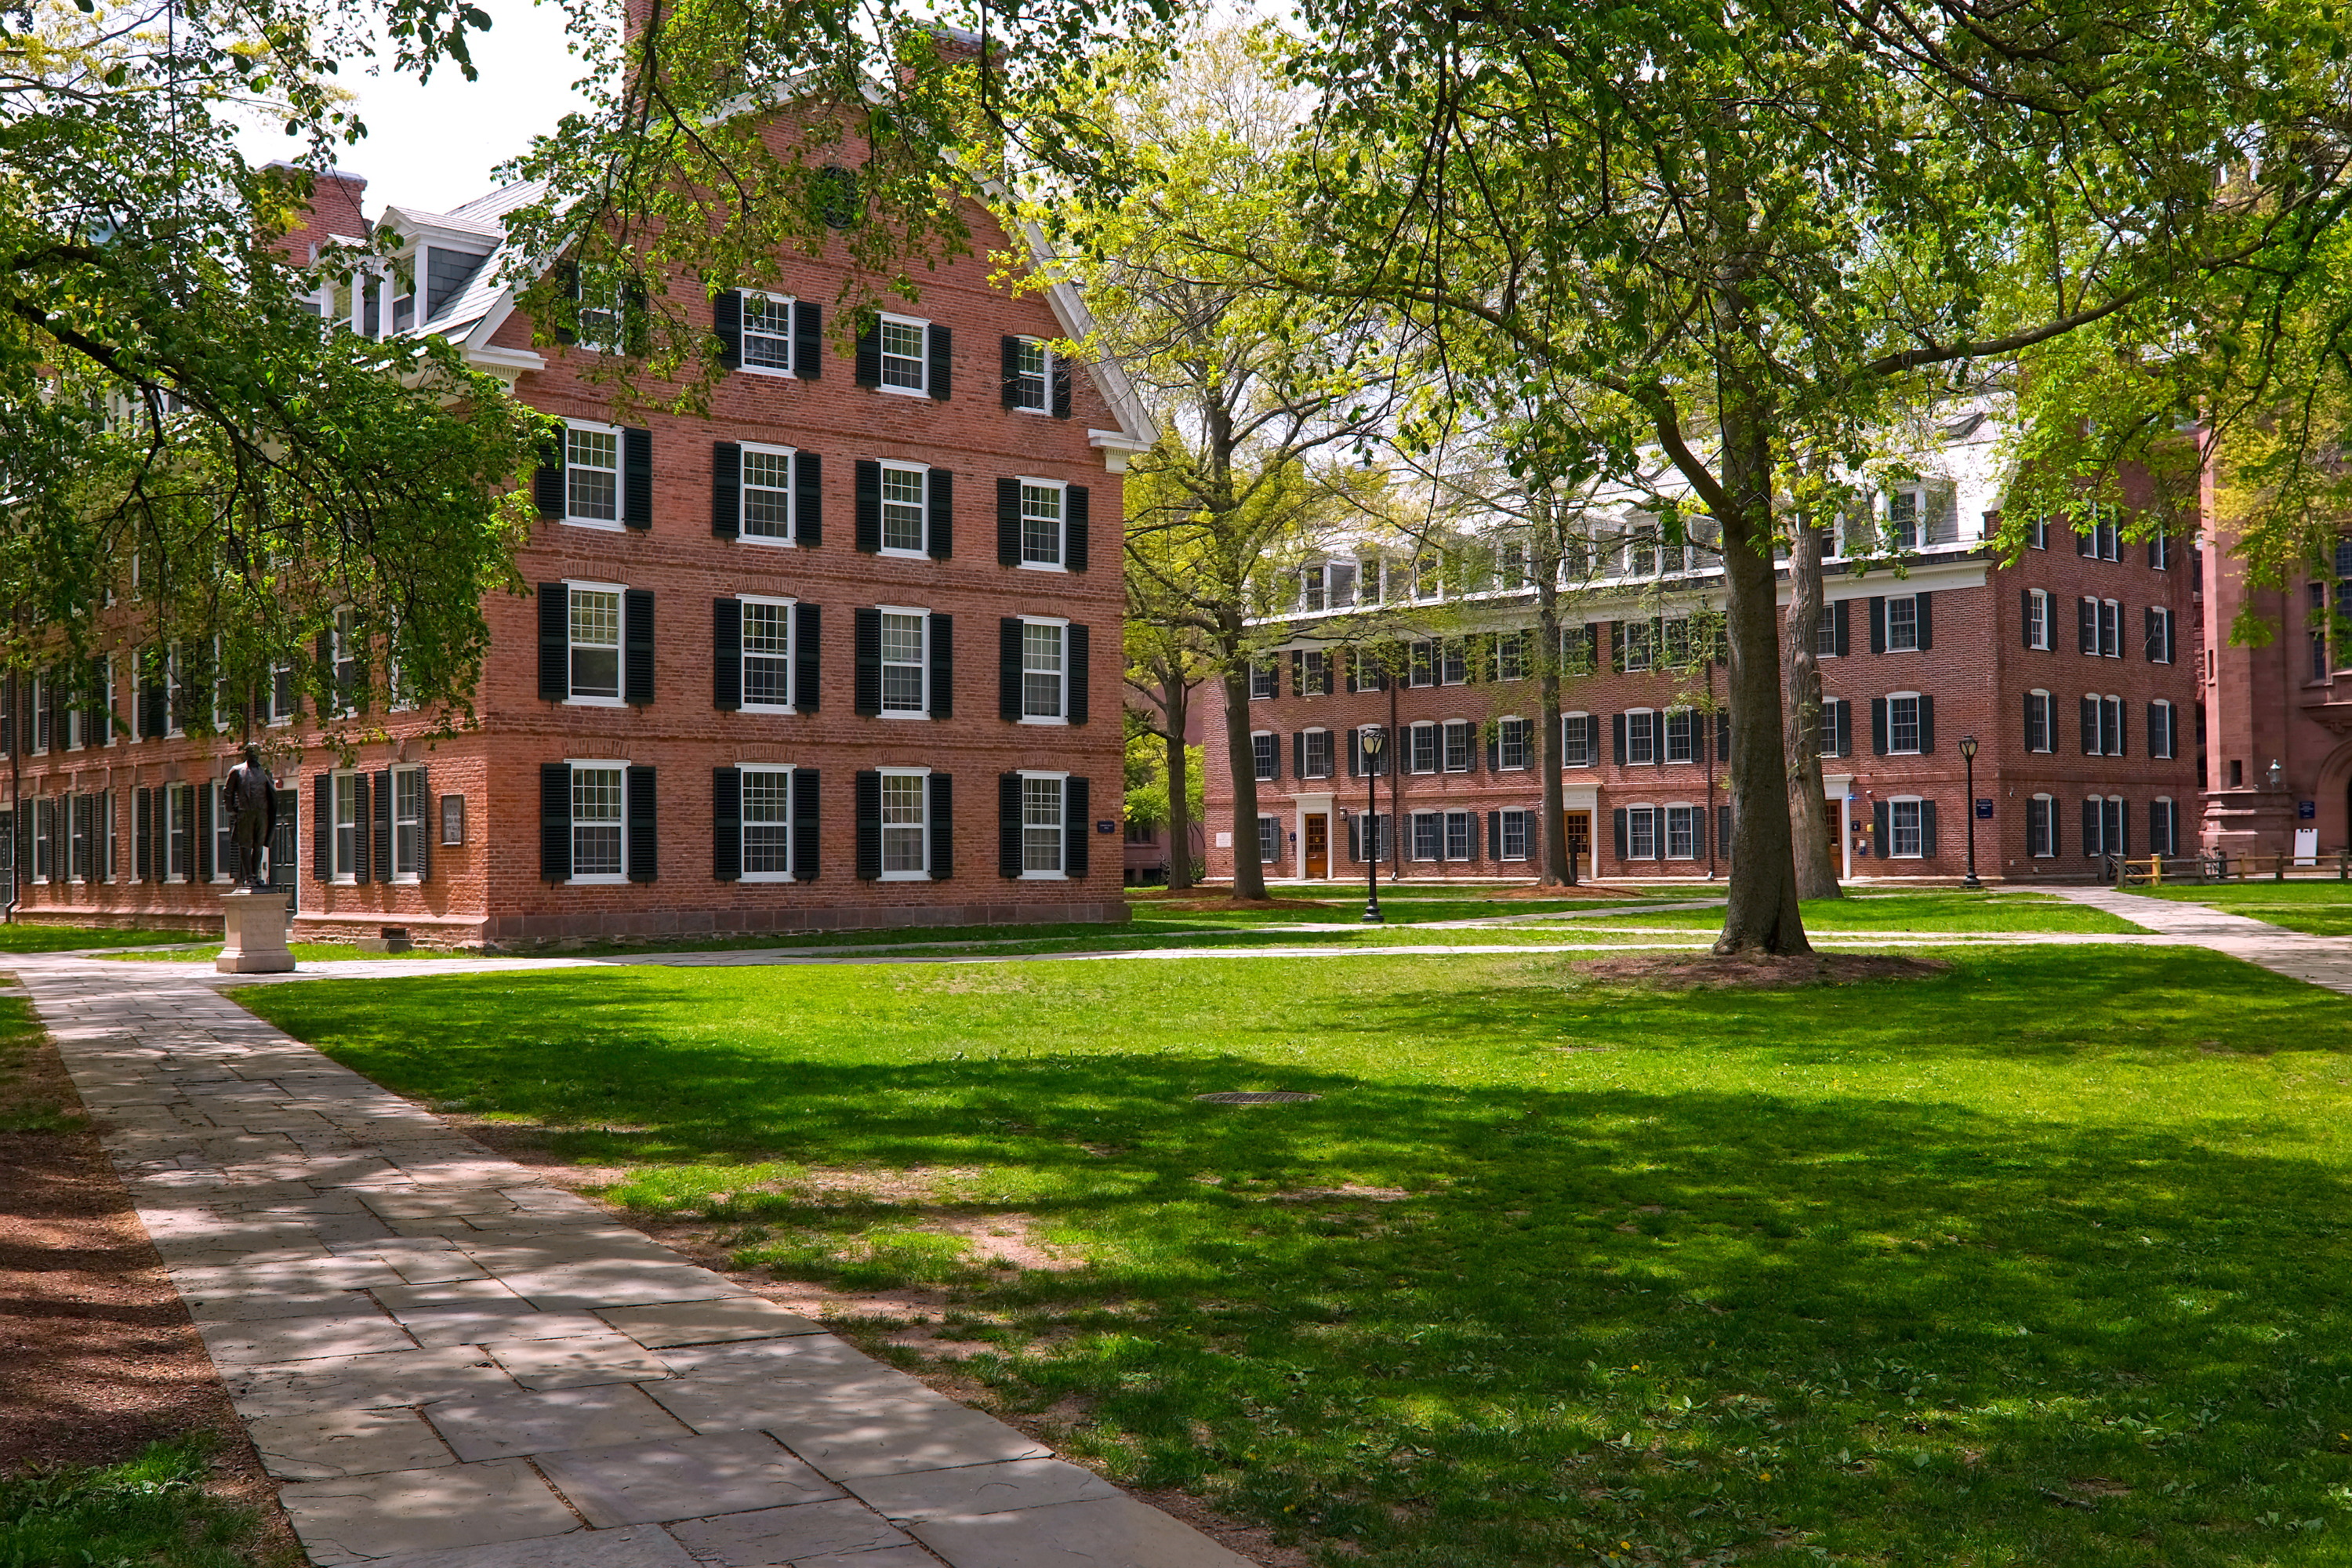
column 905, row 357
column 2159, row 635
column 1269, row 840
column 1422, row 669
column 1424, row 742
column 1370, row 834
column 1825, row 632
column 43, row 684
column 77, row 830
column 2159, row 557
column 1428, row 835
column 347, row 827
column 594, row 629
column 1903, row 723
column 284, row 693
column 1044, row 672
column 410, row 807
column 1905, row 505
column 766, row 491
column 1265, row 752
column 765, row 811
column 2163, row 826
column 1903, row 624
column 1454, row 662
column 1461, row 745
column 2103, row 826
column 905, row 825
column 1265, row 678
column 906, row 665
column 1511, row 567
column 109, row 846
column 223, row 829
column 1315, row 754
column 767, row 334
column 347, row 648
column 2037, row 533
column 1033, row 376
column 1681, row 742
column 906, row 509
column 2042, row 816
column 602, row 320
column 767, row 639
column 1428, row 575
column 44, row 841
column 2163, row 741
column 1043, row 509
column 1513, row 744
column 599, row 820
column 1576, row 740
column 1314, row 672
column 1514, row 833
column 1905, row 829
column 1044, row 832
column 2111, row 629
column 1641, row 833
column 1461, row 835
column 1641, row 648
column 2040, row 727
column 1641, row 736
column 1683, row 825
column 2037, row 618
column 1511, row 651
column 591, row 473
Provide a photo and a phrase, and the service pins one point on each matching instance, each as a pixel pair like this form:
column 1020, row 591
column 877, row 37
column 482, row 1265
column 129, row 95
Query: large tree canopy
column 181, row 435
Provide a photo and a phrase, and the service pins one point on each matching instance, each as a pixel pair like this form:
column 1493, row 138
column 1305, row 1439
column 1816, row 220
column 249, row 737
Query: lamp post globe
column 1372, row 739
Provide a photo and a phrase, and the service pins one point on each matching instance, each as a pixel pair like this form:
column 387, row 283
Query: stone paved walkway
column 2324, row 961
column 448, row 1363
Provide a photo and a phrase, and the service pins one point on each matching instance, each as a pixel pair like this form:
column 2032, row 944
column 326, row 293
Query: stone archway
column 2333, row 793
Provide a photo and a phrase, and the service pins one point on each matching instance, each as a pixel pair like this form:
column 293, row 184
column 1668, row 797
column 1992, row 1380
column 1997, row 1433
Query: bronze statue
column 250, row 797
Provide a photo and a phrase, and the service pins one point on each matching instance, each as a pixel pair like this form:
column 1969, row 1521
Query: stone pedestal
column 253, row 928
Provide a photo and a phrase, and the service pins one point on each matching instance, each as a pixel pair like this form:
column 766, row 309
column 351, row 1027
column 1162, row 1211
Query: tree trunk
column 1176, row 706
column 1249, row 875
column 1558, row 869
column 1808, row 811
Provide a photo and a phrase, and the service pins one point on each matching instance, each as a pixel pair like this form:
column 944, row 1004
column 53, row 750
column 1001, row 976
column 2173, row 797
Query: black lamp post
column 1374, row 740
column 1968, row 756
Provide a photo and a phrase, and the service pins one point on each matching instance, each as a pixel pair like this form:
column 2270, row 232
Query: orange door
column 1318, row 847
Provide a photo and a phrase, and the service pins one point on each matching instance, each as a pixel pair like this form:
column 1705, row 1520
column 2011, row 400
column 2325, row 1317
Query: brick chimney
column 334, row 212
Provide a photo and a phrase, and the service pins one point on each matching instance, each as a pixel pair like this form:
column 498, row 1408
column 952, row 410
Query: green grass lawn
column 303, row 952
column 148, row 1512
column 2317, row 907
column 1936, row 911
column 64, row 939
column 2039, row 1262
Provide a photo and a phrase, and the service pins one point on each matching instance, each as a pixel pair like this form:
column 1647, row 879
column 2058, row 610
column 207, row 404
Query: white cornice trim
column 506, row 364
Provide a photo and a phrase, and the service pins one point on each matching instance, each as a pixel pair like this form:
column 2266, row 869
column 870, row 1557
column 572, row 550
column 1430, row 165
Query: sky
column 431, row 147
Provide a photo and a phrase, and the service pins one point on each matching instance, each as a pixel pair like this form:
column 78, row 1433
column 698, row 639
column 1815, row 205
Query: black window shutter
column 1077, row 650
column 428, row 830
column 204, row 827
column 1926, row 605
column 1927, row 827
column 567, row 283
column 869, row 825
column 1008, row 522
column 1844, row 728
column 1078, row 830
column 808, row 499
column 638, row 645
column 1926, row 723
column 808, row 639
column 1618, row 818
column 808, row 340
column 726, row 824
column 7, row 716
column 1493, row 835
column 1008, row 818
column 636, row 323
column 727, row 322
column 1878, row 726
column 805, row 828
column 554, row 642
column 1878, row 815
column 1593, row 735
column 2028, row 731
column 362, row 826
column 637, row 478
column 1061, row 388
column 727, row 655
column 726, row 489
column 645, row 835
column 554, row 821
column 322, row 829
column 1723, row 830
column 1616, row 646
column 869, row 360
column 1495, row 749
column 943, row 826
column 1297, row 677
column 1010, row 373
column 1355, row 756
column 941, row 345
column 2090, row 726
column 1299, row 754
column 2156, row 736
column 1077, row 526
column 2091, row 835
column 2087, row 617
column 1878, row 624
column 1008, row 670
column 1355, row 840
column 942, row 652
column 869, row 506
column 547, row 491
column 153, row 721
column 381, row 832
column 2170, row 652
column 867, row 697
column 2122, row 845
column 942, row 514
column 1617, row 739
column 1592, row 650
column 1838, row 624
column 2148, row 646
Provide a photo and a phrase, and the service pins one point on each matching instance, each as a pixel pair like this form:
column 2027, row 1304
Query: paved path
column 448, row 1363
column 2321, row 960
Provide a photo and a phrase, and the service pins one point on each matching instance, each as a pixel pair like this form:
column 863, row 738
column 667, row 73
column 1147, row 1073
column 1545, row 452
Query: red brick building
column 2072, row 669
column 843, row 653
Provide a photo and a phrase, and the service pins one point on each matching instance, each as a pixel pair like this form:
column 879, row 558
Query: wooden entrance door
column 1576, row 827
column 1318, row 847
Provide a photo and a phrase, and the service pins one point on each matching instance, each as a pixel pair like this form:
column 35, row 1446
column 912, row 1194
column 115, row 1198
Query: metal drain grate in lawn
column 1235, row 1097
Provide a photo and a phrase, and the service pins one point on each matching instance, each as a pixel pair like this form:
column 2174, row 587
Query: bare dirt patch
column 1706, row 972
column 102, row 1357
